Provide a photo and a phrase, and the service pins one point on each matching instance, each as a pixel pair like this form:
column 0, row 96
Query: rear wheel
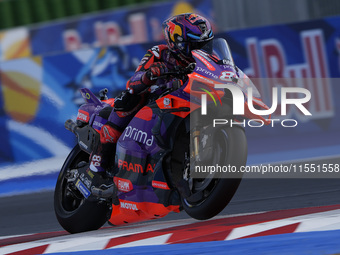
column 209, row 196
column 74, row 213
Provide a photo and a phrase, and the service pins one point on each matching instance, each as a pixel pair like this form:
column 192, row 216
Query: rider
column 183, row 33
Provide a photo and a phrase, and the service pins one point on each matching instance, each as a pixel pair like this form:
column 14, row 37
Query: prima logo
column 138, row 135
column 206, row 72
column 239, row 100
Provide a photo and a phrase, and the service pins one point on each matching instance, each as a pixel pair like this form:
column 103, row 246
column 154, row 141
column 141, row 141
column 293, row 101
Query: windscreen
column 219, row 48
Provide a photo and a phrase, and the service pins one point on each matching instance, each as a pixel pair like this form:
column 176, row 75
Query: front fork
column 195, row 144
column 201, row 138
column 195, row 129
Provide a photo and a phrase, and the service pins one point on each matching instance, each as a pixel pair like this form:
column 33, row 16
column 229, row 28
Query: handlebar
column 179, row 71
column 102, row 94
column 70, row 125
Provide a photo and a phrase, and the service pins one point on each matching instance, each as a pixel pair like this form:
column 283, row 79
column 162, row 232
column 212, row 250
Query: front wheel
column 211, row 195
column 75, row 213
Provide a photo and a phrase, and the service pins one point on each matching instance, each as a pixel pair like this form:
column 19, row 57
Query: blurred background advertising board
column 47, row 55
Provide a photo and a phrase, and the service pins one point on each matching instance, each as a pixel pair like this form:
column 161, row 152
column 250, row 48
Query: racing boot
column 102, row 159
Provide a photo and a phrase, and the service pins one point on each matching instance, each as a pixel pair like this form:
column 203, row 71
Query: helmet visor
column 197, row 45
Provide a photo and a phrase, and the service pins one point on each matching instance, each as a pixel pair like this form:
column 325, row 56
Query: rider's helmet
column 186, row 32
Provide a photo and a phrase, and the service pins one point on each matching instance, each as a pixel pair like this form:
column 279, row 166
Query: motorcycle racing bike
column 157, row 151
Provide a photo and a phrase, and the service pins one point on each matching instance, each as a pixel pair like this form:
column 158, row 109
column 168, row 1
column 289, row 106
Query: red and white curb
column 179, row 231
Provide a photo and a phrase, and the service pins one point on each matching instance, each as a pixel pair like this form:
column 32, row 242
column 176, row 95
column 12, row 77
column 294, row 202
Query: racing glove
column 156, row 69
column 127, row 102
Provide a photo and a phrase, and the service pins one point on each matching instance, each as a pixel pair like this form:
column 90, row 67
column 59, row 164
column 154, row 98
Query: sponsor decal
column 205, row 71
column 174, row 30
column 227, row 63
column 97, row 125
column 160, row 185
column 134, row 167
column 149, row 168
column 138, row 135
column 89, row 173
column 83, row 116
column 155, row 51
column 123, row 185
column 204, row 61
column 82, row 188
column 129, row 206
column 85, row 180
column 203, row 79
column 133, row 83
column 83, row 145
column 129, row 166
column 144, row 59
column 167, row 102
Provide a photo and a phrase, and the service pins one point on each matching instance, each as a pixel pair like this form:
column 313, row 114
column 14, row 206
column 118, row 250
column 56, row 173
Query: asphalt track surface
column 34, row 213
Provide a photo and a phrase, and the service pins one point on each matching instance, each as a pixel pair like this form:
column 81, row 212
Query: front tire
column 74, row 213
column 210, row 196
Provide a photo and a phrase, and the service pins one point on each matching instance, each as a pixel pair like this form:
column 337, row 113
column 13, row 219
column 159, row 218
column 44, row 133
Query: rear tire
column 74, row 213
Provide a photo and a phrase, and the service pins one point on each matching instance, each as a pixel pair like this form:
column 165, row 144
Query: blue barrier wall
column 124, row 26
column 287, row 55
